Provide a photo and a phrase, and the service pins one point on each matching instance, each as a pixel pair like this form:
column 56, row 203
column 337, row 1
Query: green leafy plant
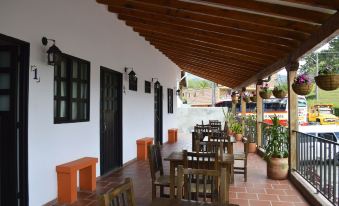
column 251, row 128
column 229, row 117
column 265, row 88
column 236, row 128
column 280, row 87
column 329, row 70
column 277, row 145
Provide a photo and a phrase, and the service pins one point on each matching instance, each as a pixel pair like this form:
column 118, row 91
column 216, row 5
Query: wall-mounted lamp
column 157, row 83
column 131, row 74
column 53, row 53
column 178, row 92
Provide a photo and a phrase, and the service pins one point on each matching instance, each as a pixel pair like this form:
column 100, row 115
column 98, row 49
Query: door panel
column 111, row 120
column 158, row 101
column 8, row 118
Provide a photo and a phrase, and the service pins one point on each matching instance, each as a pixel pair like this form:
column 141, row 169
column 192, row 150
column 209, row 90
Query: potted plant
column 246, row 98
column 279, row 92
column 302, row 85
column 253, row 98
column 229, row 121
column 265, row 92
column 276, row 151
column 328, row 78
column 237, row 130
column 250, row 133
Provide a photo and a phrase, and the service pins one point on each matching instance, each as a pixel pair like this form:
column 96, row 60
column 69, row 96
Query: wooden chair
column 215, row 125
column 217, row 189
column 200, row 160
column 157, row 171
column 122, row 195
column 242, row 157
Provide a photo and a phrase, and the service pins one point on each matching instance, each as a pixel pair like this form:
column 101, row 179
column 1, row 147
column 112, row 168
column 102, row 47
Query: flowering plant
column 254, row 94
column 328, row 70
column 302, row 79
column 265, row 88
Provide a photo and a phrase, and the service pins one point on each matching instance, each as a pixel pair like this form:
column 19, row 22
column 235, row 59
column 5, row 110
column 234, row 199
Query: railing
column 251, row 130
column 318, row 163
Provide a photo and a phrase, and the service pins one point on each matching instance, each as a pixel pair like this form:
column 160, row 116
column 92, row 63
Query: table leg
column 172, row 179
column 230, row 151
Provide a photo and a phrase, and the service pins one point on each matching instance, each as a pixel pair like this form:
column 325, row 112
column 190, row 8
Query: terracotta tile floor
column 258, row 190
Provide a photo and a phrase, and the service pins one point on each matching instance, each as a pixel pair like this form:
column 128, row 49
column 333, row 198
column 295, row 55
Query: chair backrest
column 200, row 160
column 202, row 184
column 155, row 161
column 122, row 195
column 213, row 146
column 199, row 128
column 215, row 125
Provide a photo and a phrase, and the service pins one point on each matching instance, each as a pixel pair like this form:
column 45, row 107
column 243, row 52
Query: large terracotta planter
column 302, row 89
column 327, row 82
column 279, row 93
column 277, row 168
column 265, row 95
column 238, row 137
column 252, row 147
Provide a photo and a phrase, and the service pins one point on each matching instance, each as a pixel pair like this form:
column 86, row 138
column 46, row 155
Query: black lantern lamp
column 157, row 83
column 53, row 53
column 178, row 92
column 132, row 75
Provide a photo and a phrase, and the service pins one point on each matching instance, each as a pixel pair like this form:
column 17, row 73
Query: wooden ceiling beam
column 177, row 6
column 211, row 59
column 326, row 32
column 284, row 32
column 327, row 4
column 235, row 45
column 275, row 10
column 229, row 31
column 187, row 47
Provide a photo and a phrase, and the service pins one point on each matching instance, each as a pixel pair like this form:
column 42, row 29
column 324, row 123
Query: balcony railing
column 318, row 163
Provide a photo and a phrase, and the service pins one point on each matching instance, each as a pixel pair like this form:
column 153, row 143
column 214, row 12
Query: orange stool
column 142, row 147
column 172, row 135
column 67, row 178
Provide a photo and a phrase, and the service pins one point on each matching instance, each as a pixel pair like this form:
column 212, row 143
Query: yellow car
column 323, row 114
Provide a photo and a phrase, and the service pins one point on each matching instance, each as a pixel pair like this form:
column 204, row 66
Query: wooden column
column 260, row 113
column 243, row 112
column 292, row 114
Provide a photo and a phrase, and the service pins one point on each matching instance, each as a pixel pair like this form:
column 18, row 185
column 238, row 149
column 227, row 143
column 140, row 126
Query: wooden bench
column 67, row 178
column 172, row 135
column 142, row 147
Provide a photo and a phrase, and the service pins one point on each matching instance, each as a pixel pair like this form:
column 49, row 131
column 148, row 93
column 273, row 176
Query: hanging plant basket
column 327, row 82
column 302, row 89
column 253, row 99
column 279, row 93
column 234, row 99
column 265, row 94
column 246, row 99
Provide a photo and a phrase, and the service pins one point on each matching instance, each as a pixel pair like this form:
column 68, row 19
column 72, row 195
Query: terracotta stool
column 67, row 178
column 172, row 135
column 142, row 147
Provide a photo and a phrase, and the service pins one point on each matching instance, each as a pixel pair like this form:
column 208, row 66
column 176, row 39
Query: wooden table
column 176, row 202
column 176, row 158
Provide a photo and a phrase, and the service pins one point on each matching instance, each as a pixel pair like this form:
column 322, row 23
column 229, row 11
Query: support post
column 292, row 114
column 259, row 114
column 243, row 112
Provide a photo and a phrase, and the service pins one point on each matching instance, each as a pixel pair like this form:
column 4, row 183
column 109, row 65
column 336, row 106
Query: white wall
column 85, row 29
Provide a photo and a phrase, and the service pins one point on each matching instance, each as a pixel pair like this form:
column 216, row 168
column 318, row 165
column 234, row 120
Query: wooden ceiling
column 230, row 42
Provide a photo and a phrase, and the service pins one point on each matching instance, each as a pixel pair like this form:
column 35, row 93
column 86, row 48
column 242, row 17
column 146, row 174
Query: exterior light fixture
column 157, row 83
column 132, row 75
column 178, row 92
column 53, row 53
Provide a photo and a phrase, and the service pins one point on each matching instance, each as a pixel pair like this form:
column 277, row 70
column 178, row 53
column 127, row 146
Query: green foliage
column 326, row 58
column 325, row 97
column 280, row 86
column 277, row 145
column 328, row 70
column 198, row 84
column 229, row 117
column 236, row 128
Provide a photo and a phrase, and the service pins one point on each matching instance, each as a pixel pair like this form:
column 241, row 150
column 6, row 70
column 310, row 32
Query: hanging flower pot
column 302, row 85
column 328, row 78
column 246, row 99
column 279, row 93
column 253, row 98
column 234, row 98
column 265, row 94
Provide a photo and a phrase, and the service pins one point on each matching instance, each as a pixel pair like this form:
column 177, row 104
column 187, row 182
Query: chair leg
column 245, row 170
column 154, row 191
column 161, row 191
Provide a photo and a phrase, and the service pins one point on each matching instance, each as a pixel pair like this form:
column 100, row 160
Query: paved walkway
column 258, row 190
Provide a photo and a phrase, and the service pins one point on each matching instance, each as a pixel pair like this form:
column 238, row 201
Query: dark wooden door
column 158, row 102
column 110, row 120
